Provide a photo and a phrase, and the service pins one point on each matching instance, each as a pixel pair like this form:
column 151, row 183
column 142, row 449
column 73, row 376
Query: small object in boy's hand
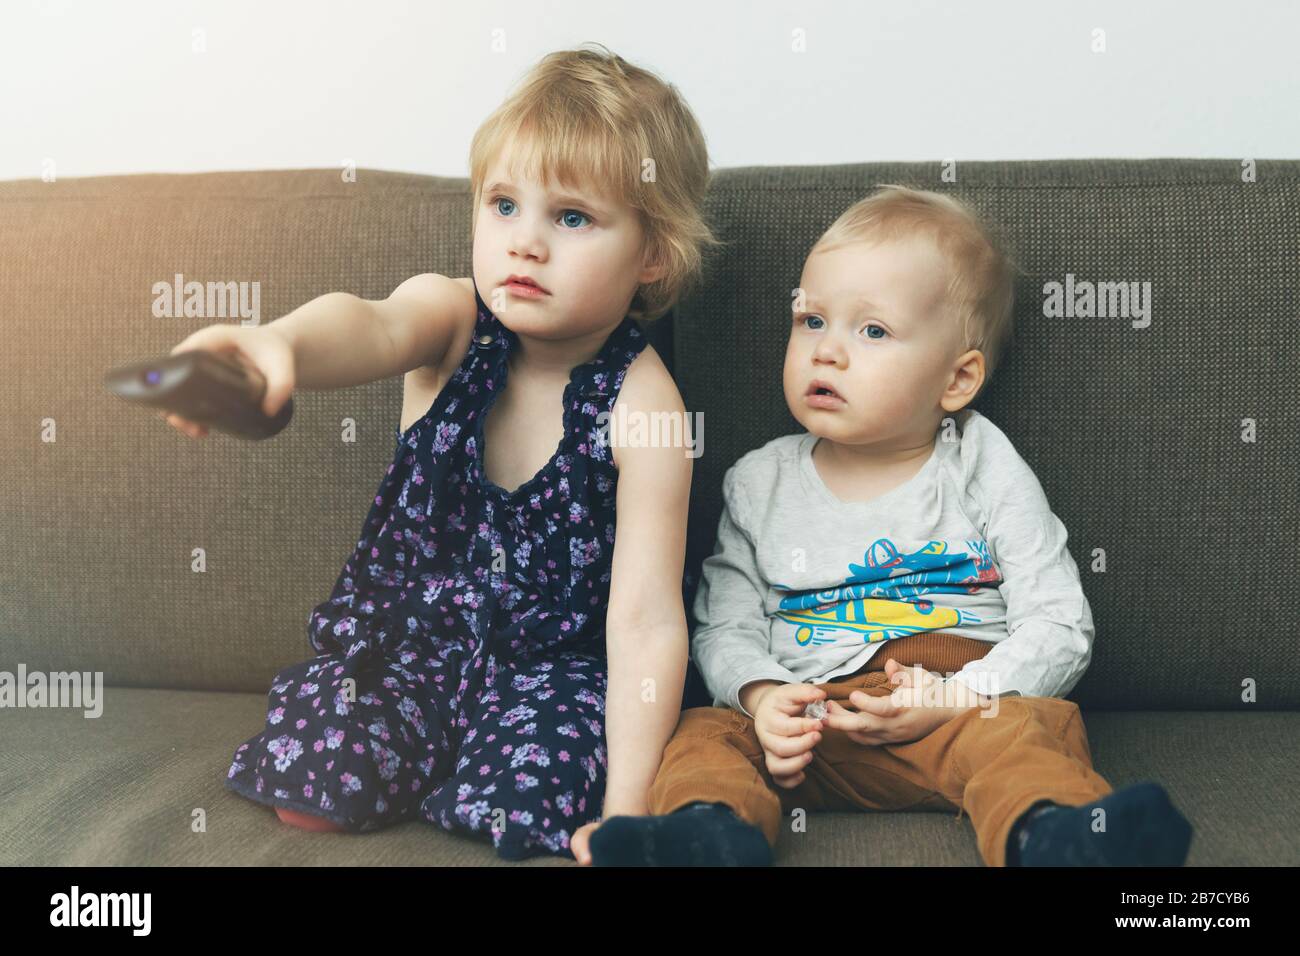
column 816, row 710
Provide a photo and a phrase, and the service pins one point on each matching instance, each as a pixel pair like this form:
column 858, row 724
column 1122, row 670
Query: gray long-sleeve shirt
column 804, row 587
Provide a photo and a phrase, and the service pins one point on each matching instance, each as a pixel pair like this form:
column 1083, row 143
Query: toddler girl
column 464, row 652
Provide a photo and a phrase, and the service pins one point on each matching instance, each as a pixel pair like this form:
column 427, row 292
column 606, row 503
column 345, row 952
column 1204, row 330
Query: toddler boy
column 901, row 527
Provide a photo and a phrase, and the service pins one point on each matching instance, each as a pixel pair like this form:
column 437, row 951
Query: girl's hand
column 579, row 842
column 264, row 352
column 193, row 429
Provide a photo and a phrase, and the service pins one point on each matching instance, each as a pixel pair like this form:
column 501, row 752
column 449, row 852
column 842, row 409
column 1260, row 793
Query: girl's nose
column 526, row 241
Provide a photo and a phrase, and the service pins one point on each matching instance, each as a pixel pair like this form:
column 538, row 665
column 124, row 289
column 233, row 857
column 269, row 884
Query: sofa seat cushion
column 121, row 790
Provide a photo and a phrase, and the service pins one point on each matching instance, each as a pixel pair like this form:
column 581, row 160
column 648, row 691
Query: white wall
column 102, row 87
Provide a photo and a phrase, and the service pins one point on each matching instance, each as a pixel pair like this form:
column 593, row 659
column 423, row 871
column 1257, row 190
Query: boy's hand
column 917, row 706
column 787, row 736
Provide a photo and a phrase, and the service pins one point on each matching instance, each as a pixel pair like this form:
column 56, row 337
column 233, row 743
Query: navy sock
column 1142, row 829
column 698, row 834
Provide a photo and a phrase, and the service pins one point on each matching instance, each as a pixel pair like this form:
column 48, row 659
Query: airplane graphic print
column 881, row 598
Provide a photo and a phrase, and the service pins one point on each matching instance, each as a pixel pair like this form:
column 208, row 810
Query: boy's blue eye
column 564, row 217
column 812, row 318
column 876, row 328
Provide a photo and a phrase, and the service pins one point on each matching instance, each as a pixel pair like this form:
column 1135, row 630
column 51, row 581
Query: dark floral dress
column 461, row 672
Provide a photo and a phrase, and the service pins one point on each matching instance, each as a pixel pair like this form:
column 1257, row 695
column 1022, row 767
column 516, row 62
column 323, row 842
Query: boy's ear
column 968, row 376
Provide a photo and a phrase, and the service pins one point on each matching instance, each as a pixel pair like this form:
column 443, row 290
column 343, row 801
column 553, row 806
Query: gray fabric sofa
column 1134, row 432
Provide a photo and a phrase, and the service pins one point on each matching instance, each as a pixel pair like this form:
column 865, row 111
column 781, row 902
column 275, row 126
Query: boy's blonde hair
column 981, row 280
column 586, row 118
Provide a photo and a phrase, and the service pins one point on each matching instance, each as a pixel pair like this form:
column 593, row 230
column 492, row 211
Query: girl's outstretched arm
column 646, row 636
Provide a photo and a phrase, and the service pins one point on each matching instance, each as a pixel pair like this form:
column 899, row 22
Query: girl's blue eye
column 808, row 318
column 876, row 328
column 565, row 216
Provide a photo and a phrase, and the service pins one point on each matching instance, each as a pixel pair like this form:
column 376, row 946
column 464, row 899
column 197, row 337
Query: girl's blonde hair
column 981, row 275
column 586, row 118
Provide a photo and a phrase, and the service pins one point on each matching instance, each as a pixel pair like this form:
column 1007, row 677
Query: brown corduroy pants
column 993, row 766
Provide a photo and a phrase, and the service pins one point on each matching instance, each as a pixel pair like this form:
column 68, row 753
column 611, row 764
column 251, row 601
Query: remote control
column 212, row 389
